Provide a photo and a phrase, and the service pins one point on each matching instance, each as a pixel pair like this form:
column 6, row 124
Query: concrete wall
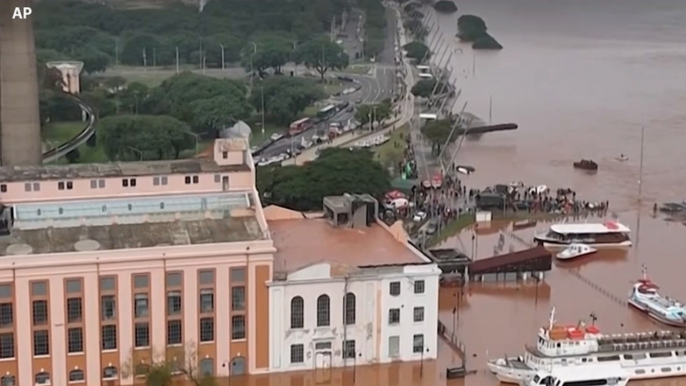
column 20, row 134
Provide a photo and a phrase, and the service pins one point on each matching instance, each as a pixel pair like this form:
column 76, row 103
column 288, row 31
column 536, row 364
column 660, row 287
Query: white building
column 348, row 295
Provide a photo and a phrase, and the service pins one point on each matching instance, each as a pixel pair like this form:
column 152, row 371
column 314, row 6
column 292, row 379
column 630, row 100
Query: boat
column 645, row 297
column 569, row 377
column 622, row 158
column 575, row 250
column 597, row 235
column 586, row 164
column 582, row 348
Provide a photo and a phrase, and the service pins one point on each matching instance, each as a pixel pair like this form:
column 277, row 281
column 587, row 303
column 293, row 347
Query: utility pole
column 116, row 51
column 262, row 95
column 145, row 61
column 200, row 53
column 154, row 57
column 223, row 62
column 252, row 69
column 177, row 59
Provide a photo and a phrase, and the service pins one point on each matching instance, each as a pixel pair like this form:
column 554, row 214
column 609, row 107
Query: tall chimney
column 20, row 136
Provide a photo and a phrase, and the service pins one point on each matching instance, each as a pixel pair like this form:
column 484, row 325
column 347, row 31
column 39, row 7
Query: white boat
column 622, row 158
column 575, row 250
column 581, row 348
column 645, row 297
column 590, row 377
column 597, row 235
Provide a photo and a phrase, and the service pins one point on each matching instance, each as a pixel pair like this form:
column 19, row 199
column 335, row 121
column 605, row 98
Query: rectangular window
column 349, row 349
column 187, row 180
column 140, row 281
column 206, row 300
column 108, row 308
column 27, row 187
column 5, row 291
column 237, row 275
column 75, row 340
column 225, row 154
column 419, row 314
column 39, row 288
column 36, row 187
column 141, row 305
column 196, row 179
column 393, row 346
column 6, row 315
column 164, row 180
column 108, row 335
column 3, row 188
column 419, row 286
column 94, row 184
column 74, row 310
column 394, row 288
column 6, row 345
column 206, row 277
column 297, row 353
column 238, row 327
column 156, row 181
column 173, row 279
column 40, row 312
column 173, row 302
column 142, row 335
column 418, row 343
column 238, row 298
column 394, row 316
column 107, row 283
column 41, row 343
column 101, row 184
column 132, row 182
column 73, row 286
column 70, row 185
column 60, row 185
column 125, row 183
column 217, row 178
column 206, row 329
column 174, row 333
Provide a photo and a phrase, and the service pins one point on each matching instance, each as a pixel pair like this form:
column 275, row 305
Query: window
column 174, row 335
column 109, row 337
column 164, row 180
column 108, row 307
column 419, row 314
column 394, row 316
column 206, row 277
column 225, row 154
column 73, row 286
column 348, row 349
column 106, row 284
column 297, row 353
column 76, row 376
column 419, row 286
column 393, row 346
column 196, row 179
column 140, row 305
column 6, row 345
column 8, row 380
column 217, row 178
column 238, row 298
column 41, row 343
column 5, row 291
column 125, row 183
column 237, row 274
column 43, row 378
column 27, row 187
column 206, row 329
column 142, row 335
column 206, row 300
column 109, row 372
column 665, row 354
column 349, row 308
column 238, row 327
column 322, row 346
column 40, row 312
column 156, row 181
column 394, row 288
column 418, row 343
column 187, row 180
column 74, row 310
column 173, row 302
column 94, row 184
column 132, row 182
column 3, row 188
column 101, row 184
column 140, row 281
column 70, row 185
column 75, row 340
column 323, row 316
column 39, row 288
column 297, row 312
column 60, row 185
column 207, row 367
column 6, row 315
column 36, row 187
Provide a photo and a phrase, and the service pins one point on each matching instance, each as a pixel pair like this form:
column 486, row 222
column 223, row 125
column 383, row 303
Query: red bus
column 299, row 126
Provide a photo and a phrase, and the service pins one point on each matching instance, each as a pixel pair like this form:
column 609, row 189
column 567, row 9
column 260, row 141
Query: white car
column 419, row 216
column 276, row 136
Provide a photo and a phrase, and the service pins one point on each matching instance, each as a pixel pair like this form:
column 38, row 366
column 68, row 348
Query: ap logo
column 21, row 13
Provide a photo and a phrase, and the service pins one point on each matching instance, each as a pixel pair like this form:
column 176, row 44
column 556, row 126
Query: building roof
column 519, row 257
column 302, row 242
column 115, row 169
column 590, row 228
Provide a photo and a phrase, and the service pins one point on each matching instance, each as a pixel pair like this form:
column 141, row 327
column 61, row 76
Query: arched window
column 8, row 380
column 207, row 367
column 42, row 378
column 109, row 372
column 297, row 312
column 323, row 313
column 349, row 308
column 76, row 375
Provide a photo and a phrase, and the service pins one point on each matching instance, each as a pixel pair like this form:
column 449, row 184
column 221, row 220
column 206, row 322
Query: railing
column 81, row 138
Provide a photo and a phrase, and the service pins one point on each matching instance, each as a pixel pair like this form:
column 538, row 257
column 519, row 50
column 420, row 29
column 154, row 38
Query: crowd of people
column 540, row 199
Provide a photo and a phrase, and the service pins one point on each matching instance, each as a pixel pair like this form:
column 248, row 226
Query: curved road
column 88, row 131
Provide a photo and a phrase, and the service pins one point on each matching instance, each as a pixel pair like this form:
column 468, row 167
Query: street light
column 222, row 46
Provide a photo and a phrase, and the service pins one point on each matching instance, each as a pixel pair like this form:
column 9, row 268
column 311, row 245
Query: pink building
column 106, row 268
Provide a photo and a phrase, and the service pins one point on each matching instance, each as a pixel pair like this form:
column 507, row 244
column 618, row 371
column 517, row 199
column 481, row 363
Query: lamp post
column 262, row 96
column 177, row 59
column 252, row 68
column 223, row 62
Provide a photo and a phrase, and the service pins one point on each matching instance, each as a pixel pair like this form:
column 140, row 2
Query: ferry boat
column 641, row 355
column 645, row 297
column 594, row 377
column 607, row 234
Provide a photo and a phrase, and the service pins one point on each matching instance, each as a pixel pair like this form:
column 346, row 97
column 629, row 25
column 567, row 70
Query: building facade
column 106, row 269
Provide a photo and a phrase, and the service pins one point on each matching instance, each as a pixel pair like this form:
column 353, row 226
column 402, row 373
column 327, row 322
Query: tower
column 20, row 135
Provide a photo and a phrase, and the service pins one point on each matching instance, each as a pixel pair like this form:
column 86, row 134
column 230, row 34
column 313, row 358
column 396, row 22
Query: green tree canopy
column 321, row 54
column 270, row 50
column 417, row 50
column 285, row 98
column 445, row 6
column 486, row 42
column 424, row 87
column 132, row 137
column 470, row 27
column 377, row 112
column 335, row 172
column 437, row 132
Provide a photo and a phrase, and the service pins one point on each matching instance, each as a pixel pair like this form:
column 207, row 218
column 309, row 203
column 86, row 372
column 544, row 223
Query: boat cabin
column 609, row 232
column 560, row 340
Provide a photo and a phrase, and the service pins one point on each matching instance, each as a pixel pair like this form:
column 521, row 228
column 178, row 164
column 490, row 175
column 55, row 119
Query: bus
column 327, row 112
column 424, row 69
column 299, row 126
column 425, row 75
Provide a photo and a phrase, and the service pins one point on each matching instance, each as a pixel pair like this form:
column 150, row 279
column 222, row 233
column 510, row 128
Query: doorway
column 238, row 366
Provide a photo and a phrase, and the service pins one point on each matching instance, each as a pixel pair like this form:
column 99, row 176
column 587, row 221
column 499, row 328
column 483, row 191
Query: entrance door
column 225, row 183
column 238, row 366
column 322, row 367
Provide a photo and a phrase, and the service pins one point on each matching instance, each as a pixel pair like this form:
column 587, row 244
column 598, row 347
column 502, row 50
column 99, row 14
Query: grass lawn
column 333, row 87
column 393, row 151
column 57, row 133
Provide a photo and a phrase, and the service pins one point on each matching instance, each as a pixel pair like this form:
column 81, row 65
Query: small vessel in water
column 622, row 158
column 645, row 297
column 576, row 250
column 607, row 234
column 586, row 164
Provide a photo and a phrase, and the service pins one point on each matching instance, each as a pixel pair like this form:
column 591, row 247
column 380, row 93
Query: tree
column 438, row 132
column 132, row 137
column 73, row 156
column 377, row 112
column 99, row 102
column 219, row 112
column 285, row 98
column 163, row 369
column 268, row 51
column 138, row 49
column 486, row 42
column 424, row 88
column 335, row 172
column 93, row 60
column 445, row 6
column 417, row 50
column 212, row 47
column 321, row 54
column 114, row 83
column 470, row 27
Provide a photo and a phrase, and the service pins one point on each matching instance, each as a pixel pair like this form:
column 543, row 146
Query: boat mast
column 551, row 321
column 640, row 195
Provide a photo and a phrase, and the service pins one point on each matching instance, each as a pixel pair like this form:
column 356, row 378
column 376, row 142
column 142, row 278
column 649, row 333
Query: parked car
column 276, row 136
column 419, row 216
